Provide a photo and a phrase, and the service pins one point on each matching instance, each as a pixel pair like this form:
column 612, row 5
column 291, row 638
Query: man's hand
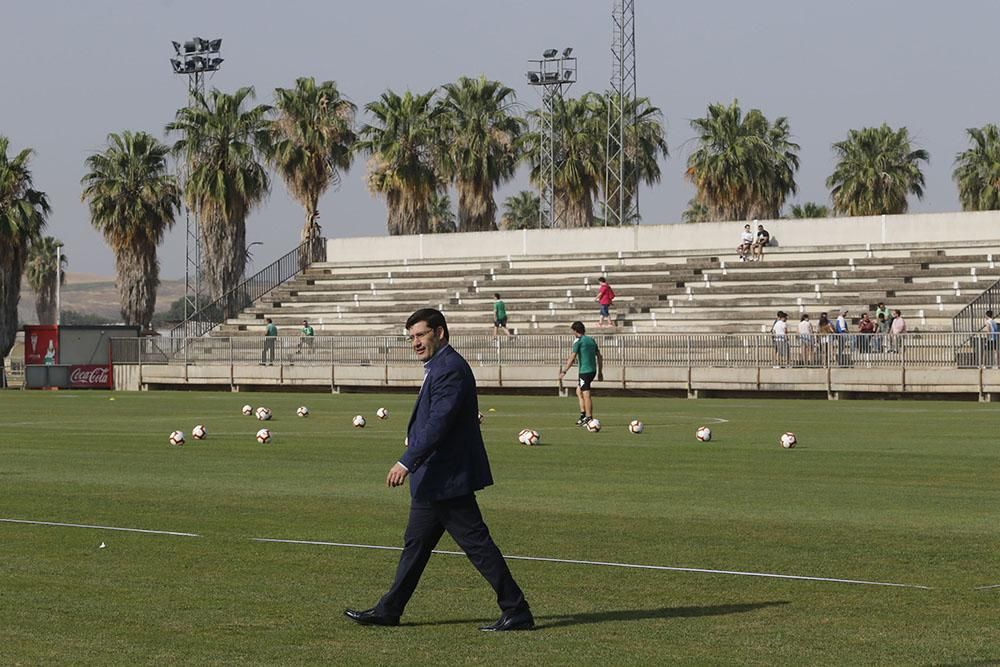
column 600, row 376
column 397, row 474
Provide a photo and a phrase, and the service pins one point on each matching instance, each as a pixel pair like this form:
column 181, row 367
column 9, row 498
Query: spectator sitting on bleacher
column 882, row 310
column 746, row 243
column 763, row 239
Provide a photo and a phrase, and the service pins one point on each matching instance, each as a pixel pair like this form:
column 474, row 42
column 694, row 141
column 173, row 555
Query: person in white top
column 780, row 331
column 746, row 242
column 806, row 342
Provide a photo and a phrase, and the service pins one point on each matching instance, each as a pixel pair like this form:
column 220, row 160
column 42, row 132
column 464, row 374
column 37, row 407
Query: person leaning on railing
column 896, row 331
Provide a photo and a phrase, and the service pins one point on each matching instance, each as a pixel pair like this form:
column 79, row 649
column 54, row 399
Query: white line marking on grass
column 986, row 588
column 610, row 564
column 717, row 420
column 83, row 525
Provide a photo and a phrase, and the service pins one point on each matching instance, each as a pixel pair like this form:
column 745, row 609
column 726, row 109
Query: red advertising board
column 41, row 344
column 90, row 376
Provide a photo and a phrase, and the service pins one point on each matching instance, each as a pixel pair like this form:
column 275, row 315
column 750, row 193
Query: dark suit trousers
column 464, row 522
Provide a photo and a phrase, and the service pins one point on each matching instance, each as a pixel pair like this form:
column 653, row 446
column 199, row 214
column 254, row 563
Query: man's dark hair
column 602, row 279
column 989, row 313
column 496, row 295
column 578, row 327
column 433, row 317
column 269, row 320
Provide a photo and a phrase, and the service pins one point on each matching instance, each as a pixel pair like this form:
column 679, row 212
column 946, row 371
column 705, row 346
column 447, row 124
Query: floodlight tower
column 554, row 73
column 194, row 58
column 621, row 179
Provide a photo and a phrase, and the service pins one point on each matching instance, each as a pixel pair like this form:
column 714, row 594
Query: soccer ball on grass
column 528, row 437
column 199, row 432
column 263, row 414
column 264, row 436
column 176, row 438
column 704, row 434
column 302, row 411
column 359, row 421
column 247, row 410
column 382, row 413
column 635, row 426
column 594, row 425
column 788, row 440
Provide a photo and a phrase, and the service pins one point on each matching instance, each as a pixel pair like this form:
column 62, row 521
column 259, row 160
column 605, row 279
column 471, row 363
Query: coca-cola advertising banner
column 90, row 376
column 41, row 344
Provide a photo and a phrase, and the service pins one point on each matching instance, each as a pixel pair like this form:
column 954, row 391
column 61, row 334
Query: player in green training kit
column 591, row 365
column 499, row 316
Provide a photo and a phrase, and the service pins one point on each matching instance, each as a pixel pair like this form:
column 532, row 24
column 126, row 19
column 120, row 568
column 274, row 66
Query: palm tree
column 876, row 169
column 644, row 144
column 132, row 202
column 522, row 211
column 314, row 135
column 695, row 212
column 580, row 133
column 482, row 133
column 223, row 146
column 441, row 218
column 810, row 210
column 405, row 146
column 744, row 166
column 977, row 170
column 22, row 216
column 40, row 270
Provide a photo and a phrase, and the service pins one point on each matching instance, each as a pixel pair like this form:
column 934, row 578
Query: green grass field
column 901, row 492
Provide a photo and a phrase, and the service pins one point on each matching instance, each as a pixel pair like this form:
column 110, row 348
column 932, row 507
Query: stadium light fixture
column 567, row 51
column 550, row 53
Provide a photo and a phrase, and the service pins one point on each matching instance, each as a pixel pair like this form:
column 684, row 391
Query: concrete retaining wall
column 722, row 236
column 832, row 382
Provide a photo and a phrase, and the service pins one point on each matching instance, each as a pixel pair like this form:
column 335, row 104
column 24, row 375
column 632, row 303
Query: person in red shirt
column 605, row 297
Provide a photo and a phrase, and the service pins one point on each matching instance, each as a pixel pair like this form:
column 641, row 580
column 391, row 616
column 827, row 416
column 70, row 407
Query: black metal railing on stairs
column 229, row 305
column 972, row 317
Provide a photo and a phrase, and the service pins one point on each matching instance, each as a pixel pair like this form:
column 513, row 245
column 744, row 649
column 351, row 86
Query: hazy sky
column 76, row 70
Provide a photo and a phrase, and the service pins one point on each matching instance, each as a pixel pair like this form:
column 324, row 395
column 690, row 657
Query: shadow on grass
column 585, row 618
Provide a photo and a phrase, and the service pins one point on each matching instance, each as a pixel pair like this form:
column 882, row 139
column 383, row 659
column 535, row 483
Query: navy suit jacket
column 446, row 456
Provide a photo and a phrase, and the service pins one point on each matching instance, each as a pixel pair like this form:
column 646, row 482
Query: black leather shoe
column 517, row 620
column 370, row 617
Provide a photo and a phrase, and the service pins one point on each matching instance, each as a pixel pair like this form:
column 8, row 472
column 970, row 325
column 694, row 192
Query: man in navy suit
column 446, row 462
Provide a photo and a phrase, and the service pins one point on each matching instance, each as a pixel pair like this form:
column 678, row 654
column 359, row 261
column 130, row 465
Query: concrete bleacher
column 702, row 290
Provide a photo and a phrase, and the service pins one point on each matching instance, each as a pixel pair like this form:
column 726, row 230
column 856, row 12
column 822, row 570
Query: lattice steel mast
column 194, row 58
column 621, row 205
column 554, row 73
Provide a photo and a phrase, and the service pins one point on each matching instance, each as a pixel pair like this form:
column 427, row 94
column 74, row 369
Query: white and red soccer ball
column 528, row 437
column 199, row 432
column 247, row 410
column 636, row 426
column 704, row 434
column 263, row 414
column 264, row 436
column 788, row 440
column 594, row 425
column 359, row 421
column 176, row 438
column 382, row 413
column 303, row 411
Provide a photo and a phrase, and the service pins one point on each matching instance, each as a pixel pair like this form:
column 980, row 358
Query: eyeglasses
column 419, row 334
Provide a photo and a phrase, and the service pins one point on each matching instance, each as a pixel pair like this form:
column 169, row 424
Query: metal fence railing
column 911, row 350
column 973, row 316
column 251, row 289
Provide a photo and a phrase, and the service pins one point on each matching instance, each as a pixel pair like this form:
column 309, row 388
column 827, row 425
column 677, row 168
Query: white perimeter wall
column 723, row 236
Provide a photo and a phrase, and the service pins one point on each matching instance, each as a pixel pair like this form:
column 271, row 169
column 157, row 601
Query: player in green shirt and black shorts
column 499, row 316
column 591, row 366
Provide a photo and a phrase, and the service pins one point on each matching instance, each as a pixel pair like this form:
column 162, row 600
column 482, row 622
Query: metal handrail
column 972, row 317
column 246, row 293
